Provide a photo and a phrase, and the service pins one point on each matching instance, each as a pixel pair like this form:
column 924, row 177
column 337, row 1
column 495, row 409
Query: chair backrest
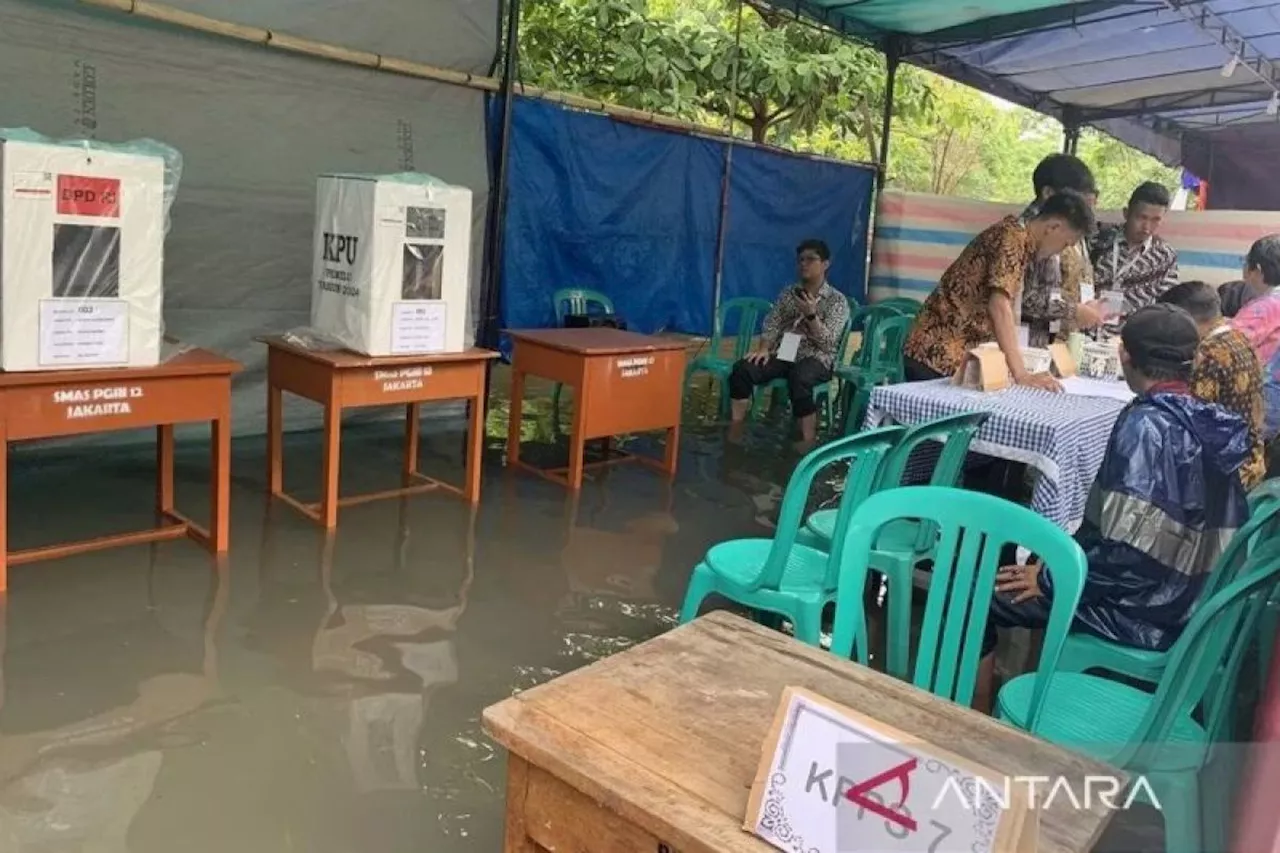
column 972, row 530
column 1207, row 654
column 903, row 304
column 577, row 300
column 956, row 433
column 750, row 313
column 1260, row 528
column 1268, row 491
column 842, row 349
column 882, row 345
column 866, row 452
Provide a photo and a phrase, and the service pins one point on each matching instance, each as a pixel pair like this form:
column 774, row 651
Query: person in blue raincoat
column 1166, row 501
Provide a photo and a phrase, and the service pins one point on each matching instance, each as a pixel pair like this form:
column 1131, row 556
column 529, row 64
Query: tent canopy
column 1189, row 81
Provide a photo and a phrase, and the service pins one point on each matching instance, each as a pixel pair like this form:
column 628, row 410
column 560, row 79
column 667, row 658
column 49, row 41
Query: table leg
column 515, row 414
column 275, row 440
column 220, row 489
column 164, row 469
column 475, row 451
column 332, row 443
column 516, row 838
column 412, row 430
column 577, row 440
column 671, row 453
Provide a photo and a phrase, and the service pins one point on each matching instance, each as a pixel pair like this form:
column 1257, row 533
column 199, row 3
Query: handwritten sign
column 404, row 379
column 97, row 401
column 633, row 366
column 833, row 780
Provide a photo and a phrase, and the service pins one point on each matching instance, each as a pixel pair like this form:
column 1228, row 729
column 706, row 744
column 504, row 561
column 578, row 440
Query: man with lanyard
column 1131, row 259
column 1057, row 292
column 798, row 343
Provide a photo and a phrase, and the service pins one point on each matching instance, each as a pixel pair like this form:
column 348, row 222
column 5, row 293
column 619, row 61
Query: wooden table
column 622, row 382
column 191, row 387
column 656, row 748
column 340, row 379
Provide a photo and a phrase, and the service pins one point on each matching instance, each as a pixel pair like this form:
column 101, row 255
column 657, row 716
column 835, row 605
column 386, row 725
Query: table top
column 342, row 359
column 599, row 341
column 669, row 733
column 192, row 362
column 1063, row 436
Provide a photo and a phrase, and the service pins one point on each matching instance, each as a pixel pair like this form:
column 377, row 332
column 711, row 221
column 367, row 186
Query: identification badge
column 1086, row 292
column 1024, row 337
column 789, row 346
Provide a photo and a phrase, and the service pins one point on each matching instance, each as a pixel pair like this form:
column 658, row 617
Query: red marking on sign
column 81, row 196
column 858, row 794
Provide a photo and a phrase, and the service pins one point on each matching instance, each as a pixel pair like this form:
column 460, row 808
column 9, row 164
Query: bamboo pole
column 271, row 39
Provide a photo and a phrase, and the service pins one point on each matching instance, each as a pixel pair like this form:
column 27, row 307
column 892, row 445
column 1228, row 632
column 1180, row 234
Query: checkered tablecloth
column 1062, row 436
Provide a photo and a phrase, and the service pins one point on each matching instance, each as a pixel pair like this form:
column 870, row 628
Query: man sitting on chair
column 798, row 343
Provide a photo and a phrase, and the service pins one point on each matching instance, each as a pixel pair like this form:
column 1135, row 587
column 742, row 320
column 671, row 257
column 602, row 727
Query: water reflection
column 80, row 785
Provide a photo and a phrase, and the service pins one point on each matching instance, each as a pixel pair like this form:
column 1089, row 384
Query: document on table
column 1083, row 386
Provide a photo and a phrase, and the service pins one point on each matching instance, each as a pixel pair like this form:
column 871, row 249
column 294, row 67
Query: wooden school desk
column 188, row 388
column 622, row 382
column 655, row 748
column 340, row 379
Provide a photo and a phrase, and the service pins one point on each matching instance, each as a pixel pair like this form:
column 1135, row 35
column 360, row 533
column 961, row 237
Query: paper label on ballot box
column 83, row 332
column 418, row 326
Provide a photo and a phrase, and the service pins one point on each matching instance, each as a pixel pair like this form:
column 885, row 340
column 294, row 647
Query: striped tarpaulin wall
column 918, row 235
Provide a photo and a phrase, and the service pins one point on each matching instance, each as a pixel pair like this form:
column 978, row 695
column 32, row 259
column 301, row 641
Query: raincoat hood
column 1223, row 435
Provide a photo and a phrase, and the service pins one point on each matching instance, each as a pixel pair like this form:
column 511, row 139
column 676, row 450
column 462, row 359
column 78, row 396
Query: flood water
column 323, row 694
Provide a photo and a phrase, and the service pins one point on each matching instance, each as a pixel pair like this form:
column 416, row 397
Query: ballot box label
column 835, row 781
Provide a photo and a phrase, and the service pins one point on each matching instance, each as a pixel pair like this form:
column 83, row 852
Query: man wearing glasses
column 798, row 343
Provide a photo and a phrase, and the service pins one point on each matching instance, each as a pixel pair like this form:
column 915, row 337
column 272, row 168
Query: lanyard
column 1116, row 270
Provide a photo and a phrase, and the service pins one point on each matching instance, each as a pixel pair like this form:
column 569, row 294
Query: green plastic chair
column 575, row 300
column 750, row 313
column 1155, row 734
column 972, row 528
column 778, row 576
column 1263, row 496
column 879, row 363
column 823, row 392
column 905, row 304
column 902, row 546
column 1085, row 651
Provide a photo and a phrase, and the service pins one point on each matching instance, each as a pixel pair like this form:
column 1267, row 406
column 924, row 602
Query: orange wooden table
column 339, row 379
column 192, row 387
column 622, row 382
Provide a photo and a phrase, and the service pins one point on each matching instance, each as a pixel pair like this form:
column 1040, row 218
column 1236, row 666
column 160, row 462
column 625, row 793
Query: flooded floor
column 323, row 694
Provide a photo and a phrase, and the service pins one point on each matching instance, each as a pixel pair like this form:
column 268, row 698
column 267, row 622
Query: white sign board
column 832, row 781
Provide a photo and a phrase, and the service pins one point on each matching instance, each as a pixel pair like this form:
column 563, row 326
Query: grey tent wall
column 255, row 128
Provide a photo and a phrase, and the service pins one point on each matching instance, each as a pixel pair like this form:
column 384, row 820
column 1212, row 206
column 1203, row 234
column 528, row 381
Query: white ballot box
column 82, row 230
column 392, row 259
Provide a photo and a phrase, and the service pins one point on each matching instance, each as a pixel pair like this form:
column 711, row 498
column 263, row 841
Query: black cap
column 1161, row 340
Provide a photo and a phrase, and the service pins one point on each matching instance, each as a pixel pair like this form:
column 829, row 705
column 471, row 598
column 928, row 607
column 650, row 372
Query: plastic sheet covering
column 254, row 138
column 83, row 227
column 634, row 213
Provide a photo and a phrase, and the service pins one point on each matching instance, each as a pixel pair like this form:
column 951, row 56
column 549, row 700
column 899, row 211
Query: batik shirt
column 1142, row 273
column 1226, row 371
column 833, row 314
column 954, row 319
column 1052, row 288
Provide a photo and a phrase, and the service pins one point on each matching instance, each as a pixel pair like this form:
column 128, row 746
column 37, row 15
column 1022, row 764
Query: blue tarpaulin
column 633, row 212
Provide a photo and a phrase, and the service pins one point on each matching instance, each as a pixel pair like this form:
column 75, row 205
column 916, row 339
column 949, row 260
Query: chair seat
column 1099, row 717
column 1085, row 651
column 897, row 536
column 739, row 562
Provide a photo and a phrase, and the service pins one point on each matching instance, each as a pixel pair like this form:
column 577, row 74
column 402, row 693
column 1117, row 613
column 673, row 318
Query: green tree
column 792, row 78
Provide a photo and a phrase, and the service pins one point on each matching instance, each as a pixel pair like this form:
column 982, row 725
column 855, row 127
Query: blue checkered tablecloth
column 1062, row 436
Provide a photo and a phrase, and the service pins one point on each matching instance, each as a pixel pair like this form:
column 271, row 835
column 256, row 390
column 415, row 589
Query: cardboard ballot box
column 81, row 255
column 985, row 369
column 392, row 263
